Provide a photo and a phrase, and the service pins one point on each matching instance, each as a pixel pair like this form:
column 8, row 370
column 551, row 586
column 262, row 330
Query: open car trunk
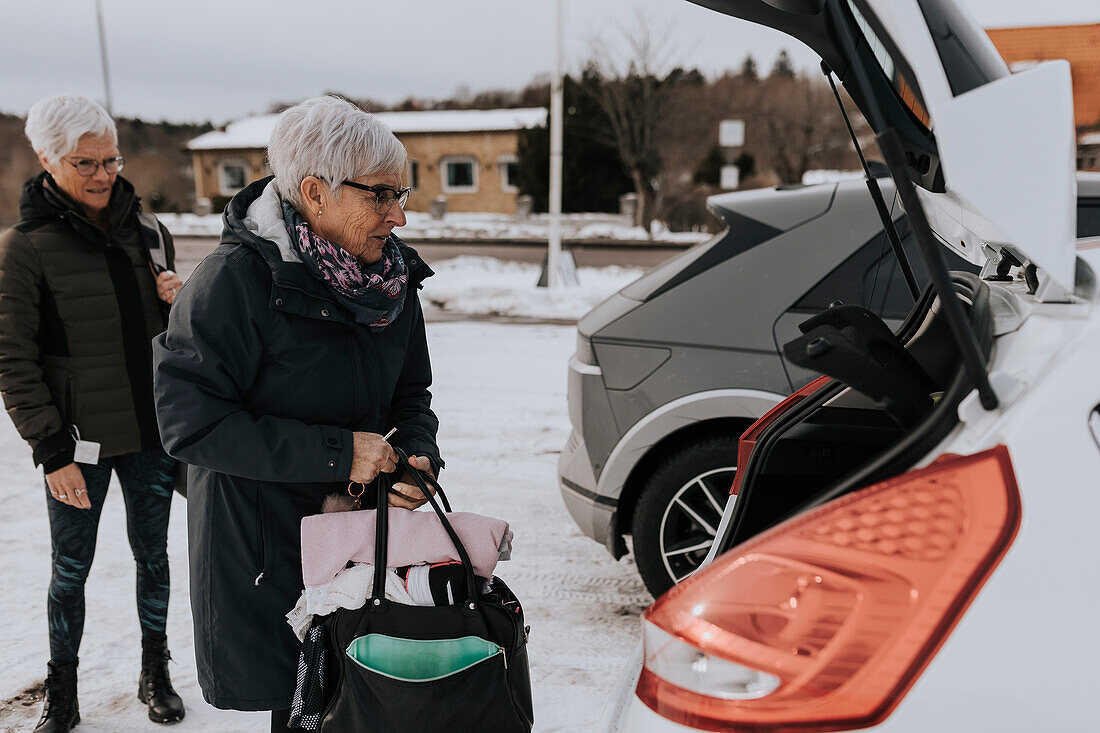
column 884, row 410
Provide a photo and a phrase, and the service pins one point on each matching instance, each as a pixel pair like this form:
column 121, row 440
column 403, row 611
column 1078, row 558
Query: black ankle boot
column 154, row 686
column 60, row 713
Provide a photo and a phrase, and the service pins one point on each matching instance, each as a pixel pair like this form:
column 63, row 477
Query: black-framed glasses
column 384, row 196
column 87, row 167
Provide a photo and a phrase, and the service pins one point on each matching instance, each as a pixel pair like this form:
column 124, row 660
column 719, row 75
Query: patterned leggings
column 147, row 482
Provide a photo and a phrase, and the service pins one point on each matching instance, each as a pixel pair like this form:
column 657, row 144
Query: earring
column 318, row 212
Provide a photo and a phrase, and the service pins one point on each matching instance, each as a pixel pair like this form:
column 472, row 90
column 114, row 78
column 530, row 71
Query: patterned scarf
column 375, row 294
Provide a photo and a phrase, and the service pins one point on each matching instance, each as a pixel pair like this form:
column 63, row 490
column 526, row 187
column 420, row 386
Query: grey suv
column 670, row 371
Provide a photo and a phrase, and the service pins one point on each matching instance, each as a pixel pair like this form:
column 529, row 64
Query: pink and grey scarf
column 374, row 293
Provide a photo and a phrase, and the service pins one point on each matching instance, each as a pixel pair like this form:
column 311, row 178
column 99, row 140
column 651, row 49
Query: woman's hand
column 67, row 486
column 371, row 455
column 410, row 496
column 168, row 284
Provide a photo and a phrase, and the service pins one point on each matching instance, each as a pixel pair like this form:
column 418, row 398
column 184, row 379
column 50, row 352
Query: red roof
column 1077, row 44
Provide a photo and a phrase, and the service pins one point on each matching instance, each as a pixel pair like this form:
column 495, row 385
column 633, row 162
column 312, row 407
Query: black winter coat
column 260, row 380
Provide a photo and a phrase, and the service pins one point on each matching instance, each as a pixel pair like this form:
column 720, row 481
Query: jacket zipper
column 263, row 546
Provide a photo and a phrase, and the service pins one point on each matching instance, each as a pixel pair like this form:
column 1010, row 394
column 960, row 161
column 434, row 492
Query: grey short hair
column 332, row 139
column 56, row 124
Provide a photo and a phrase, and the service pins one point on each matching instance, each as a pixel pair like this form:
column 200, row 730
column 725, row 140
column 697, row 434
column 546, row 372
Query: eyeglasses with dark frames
column 87, row 167
column 384, row 196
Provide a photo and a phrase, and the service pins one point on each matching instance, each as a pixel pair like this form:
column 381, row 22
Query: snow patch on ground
column 421, row 226
column 483, row 286
column 500, row 395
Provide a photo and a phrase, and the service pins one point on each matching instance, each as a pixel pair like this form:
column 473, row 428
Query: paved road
column 191, row 250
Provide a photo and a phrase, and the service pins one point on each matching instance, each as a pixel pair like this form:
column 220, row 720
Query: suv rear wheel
column 679, row 510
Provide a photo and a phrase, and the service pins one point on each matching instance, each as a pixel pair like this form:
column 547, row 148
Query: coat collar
column 254, row 218
column 42, row 201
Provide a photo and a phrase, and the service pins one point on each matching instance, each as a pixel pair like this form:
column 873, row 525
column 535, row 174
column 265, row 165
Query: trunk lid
column 991, row 153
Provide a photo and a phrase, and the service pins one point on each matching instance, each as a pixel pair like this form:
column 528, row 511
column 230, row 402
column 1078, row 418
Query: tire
column 679, row 509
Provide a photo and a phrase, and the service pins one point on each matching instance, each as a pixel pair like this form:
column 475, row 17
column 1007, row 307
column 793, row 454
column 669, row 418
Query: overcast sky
column 222, row 59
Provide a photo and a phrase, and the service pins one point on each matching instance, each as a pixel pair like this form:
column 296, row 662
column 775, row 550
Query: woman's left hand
column 410, row 496
column 168, row 284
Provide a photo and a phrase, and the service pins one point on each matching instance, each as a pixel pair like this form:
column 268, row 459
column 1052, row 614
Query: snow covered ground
column 483, row 286
column 500, row 395
column 422, row 226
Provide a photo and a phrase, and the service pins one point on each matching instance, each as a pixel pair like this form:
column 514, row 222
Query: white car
column 910, row 545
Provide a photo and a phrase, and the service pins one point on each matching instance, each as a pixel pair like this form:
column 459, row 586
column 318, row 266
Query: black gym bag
column 419, row 669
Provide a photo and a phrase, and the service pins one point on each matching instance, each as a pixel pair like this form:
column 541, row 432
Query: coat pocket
column 473, row 698
column 421, row 660
column 59, row 381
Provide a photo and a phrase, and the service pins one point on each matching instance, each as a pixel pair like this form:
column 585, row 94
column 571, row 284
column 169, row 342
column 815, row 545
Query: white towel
column 349, row 589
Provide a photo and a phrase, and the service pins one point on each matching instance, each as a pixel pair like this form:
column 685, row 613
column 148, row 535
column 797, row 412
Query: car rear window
column 872, row 277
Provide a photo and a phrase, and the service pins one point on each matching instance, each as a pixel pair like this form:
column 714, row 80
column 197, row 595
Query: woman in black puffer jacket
column 79, row 304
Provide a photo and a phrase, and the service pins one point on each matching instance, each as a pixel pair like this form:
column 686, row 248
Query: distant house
column 1080, row 46
column 466, row 156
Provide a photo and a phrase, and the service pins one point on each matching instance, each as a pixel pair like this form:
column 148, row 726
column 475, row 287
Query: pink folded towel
column 330, row 541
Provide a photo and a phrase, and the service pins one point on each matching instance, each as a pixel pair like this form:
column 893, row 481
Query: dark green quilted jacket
column 78, row 312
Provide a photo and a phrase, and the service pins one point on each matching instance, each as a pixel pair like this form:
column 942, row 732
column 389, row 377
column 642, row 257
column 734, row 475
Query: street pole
column 103, row 57
column 553, row 254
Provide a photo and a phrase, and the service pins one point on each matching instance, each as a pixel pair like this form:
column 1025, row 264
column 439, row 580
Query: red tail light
column 825, row 622
column 750, row 436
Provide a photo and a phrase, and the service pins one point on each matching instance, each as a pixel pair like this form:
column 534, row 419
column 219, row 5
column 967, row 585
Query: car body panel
column 781, row 207
column 666, row 419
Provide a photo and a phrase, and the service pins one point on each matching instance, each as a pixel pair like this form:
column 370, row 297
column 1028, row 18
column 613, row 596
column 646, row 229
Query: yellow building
column 465, row 156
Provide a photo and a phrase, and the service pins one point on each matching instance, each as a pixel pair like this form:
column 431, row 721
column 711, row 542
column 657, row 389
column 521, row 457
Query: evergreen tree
column 593, row 179
column 783, row 68
column 749, row 70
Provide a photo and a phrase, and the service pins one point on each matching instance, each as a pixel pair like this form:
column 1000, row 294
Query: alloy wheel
column 690, row 521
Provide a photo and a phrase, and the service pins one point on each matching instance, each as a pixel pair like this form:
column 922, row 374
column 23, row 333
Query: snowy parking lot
column 500, row 395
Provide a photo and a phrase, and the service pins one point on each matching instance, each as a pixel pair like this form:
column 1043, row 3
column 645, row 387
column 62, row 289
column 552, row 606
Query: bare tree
column 629, row 81
column 803, row 127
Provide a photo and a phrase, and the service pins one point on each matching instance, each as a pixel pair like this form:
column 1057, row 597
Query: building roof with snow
column 254, row 132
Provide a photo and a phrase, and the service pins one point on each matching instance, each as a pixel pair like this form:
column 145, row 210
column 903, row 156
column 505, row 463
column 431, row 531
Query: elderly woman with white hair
column 84, row 287
column 295, row 346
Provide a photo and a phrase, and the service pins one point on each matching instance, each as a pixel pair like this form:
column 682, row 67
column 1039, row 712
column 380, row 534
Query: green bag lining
column 419, row 660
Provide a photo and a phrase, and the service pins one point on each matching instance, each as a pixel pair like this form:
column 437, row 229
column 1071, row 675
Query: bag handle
column 381, row 534
column 381, row 537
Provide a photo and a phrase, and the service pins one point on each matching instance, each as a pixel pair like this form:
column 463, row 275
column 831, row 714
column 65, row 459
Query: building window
column 509, row 173
column 414, row 174
column 459, row 174
column 232, row 176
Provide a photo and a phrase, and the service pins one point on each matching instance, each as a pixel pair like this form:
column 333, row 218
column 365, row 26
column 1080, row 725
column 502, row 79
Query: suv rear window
column 872, row 278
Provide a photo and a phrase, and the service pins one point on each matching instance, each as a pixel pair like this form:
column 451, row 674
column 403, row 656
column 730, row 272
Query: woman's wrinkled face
column 93, row 192
column 354, row 223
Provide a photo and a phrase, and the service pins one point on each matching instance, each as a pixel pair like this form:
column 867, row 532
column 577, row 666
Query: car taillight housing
column 748, row 438
column 824, row 622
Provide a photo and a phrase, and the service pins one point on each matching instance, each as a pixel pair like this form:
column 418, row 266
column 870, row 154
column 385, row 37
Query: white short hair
column 332, row 139
column 56, row 124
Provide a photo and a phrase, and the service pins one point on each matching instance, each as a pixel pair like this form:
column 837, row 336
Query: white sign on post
column 730, row 177
column 731, row 133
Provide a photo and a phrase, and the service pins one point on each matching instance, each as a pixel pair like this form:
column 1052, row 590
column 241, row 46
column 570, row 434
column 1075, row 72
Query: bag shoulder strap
column 153, row 239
